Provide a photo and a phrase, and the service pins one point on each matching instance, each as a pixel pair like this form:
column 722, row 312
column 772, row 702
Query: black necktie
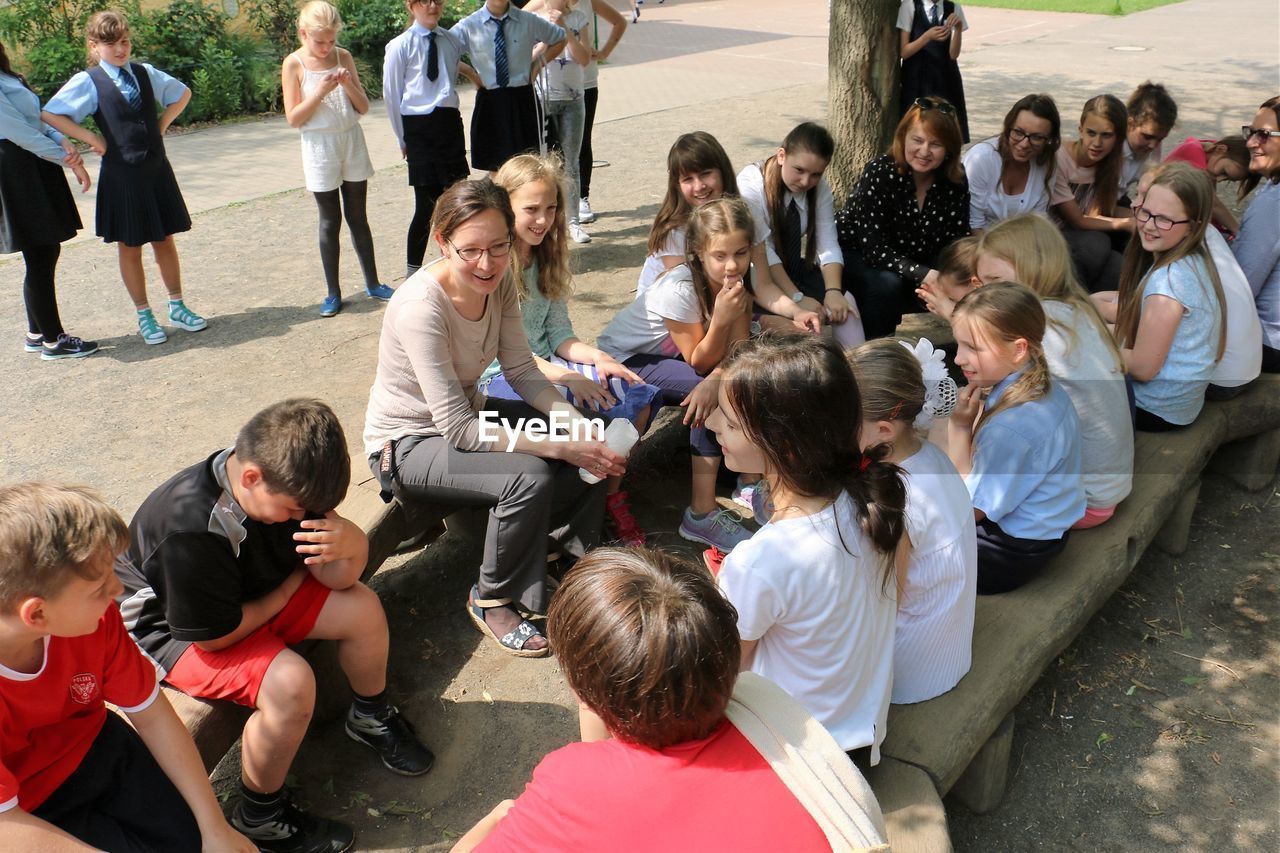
column 433, row 57
column 791, row 238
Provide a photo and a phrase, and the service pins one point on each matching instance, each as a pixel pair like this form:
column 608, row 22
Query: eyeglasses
column 471, row 254
column 1259, row 133
column 1017, row 134
column 430, row 2
column 930, row 104
column 1163, row 223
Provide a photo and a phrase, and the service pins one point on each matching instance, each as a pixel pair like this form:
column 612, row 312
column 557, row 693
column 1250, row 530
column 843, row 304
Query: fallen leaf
column 487, row 697
column 1191, row 680
column 1217, row 759
column 1105, row 737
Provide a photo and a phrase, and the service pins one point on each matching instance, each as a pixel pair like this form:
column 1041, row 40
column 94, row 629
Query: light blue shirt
column 1176, row 393
column 546, row 321
column 1257, row 249
column 522, row 31
column 20, row 121
column 405, row 87
column 78, row 97
column 1027, row 468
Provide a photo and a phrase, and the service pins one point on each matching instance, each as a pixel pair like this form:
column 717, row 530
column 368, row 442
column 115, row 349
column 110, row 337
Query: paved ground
column 127, row 418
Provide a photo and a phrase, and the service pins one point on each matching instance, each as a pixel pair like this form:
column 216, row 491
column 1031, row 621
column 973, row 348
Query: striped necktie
column 500, row 53
column 433, row 57
column 129, row 88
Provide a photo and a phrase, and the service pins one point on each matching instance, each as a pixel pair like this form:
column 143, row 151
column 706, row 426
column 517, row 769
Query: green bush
column 216, row 85
column 277, row 21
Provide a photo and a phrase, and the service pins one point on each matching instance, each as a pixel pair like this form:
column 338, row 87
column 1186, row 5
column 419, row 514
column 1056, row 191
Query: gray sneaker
column 719, row 529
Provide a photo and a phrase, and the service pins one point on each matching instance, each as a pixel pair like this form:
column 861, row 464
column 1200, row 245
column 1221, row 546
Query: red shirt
column 712, row 794
column 49, row 719
column 1191, row 151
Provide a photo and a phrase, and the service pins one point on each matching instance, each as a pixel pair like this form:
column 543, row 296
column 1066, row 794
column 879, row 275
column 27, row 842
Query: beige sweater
column 430, row 358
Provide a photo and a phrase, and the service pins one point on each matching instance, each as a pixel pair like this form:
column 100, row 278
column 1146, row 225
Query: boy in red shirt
column 72, row 775
column 242, row 555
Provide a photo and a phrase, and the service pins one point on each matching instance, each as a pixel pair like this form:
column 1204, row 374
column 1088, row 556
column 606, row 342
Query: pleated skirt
column 140, row 203
column 36, row 207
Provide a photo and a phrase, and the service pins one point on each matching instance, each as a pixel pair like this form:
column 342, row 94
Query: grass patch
column 1092, row 7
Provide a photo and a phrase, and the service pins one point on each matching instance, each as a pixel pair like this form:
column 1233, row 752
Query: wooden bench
column 959, row 742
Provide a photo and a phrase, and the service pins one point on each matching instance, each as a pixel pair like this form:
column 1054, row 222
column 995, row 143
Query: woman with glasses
column 431, row 436
column 929, row 38
column 1013, row 173
column 908, row 205
column 1257, row 246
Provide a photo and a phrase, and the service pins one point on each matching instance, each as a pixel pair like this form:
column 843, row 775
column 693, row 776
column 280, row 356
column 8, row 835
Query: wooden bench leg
column 1173, row 535
column 981, row 787
column 1250, row 462
column 914, row 817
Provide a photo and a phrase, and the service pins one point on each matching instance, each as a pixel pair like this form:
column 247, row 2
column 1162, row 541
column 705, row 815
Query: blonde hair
column 890, row 380
column 1194, row 190
column 1006, row 311
column 1041, row 260
column 725, row 215
column 319, row 15
column 50, row 532
column 552, row 254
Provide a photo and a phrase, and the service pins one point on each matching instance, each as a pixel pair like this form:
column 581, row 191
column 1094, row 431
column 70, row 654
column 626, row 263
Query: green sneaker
column 150, row 329
column 183, row 317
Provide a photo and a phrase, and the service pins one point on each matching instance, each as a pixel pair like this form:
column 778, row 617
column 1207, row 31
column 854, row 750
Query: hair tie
column 940, row 392
column 864, row 464
column 897, row 410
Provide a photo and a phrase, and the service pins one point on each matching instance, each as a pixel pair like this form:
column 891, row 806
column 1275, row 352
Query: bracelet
column 834, row 290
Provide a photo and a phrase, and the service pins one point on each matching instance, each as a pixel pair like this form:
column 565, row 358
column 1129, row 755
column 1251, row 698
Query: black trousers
column 1007, row 562
column 119, row 799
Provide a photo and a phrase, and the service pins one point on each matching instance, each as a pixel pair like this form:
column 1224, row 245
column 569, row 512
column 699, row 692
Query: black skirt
column 139, row 203
column 435, row 148
column 36, row 207
column 504, row 123
column 927, row 74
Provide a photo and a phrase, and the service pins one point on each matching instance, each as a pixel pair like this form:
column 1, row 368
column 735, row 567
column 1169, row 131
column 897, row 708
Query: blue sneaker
column 67, row 346
column 182, row 317
column 149, row 329
column 719, row 529
column 380, row 291
column 331, row 305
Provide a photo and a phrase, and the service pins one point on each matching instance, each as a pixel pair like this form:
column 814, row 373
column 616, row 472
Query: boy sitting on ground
column 74, row 776
column 237, row 558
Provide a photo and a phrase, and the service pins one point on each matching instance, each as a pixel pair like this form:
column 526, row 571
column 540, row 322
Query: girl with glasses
column 1013, row 172
column 1257, row 246
column 930, row 33
column 907, row 205
column 431, row 435
column 1170, row 319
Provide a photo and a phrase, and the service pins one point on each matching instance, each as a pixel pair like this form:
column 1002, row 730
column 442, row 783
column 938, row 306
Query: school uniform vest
column 932, row 71
column 131, row 134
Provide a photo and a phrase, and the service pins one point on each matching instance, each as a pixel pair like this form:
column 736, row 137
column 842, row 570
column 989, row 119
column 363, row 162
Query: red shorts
column 236, row 672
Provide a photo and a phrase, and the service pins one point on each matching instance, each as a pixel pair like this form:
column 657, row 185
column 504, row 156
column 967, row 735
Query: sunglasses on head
column 930, row 104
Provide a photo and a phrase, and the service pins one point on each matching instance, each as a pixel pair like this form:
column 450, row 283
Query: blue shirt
column 522, row 31
column 1027, row 468
column 20, row 121
column 78, row 97
column 546, row 321
column 405, row 87
column 1176, row 393
column 1257, row 249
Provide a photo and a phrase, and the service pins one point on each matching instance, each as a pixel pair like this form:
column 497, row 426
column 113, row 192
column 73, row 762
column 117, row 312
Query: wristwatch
column 797, row 297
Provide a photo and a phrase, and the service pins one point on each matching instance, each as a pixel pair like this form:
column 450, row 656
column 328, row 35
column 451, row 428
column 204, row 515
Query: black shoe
column 67, row 347
column 31, row 343
column 395, row 741
column 295, row 831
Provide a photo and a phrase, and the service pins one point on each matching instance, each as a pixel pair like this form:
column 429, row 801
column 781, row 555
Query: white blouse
column 988, row 203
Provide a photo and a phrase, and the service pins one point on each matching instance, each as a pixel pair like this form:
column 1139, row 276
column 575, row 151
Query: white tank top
column 335, row 112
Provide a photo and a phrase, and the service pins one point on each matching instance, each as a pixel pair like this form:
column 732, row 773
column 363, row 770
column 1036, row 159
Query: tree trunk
column 862, row 86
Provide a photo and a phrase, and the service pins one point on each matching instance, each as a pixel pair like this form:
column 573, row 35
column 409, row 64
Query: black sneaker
column 31, row 343
column 67, row 347
column 395, row 741
column 295, row 831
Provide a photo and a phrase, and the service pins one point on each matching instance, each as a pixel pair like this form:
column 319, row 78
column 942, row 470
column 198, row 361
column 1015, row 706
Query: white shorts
column 331, row 157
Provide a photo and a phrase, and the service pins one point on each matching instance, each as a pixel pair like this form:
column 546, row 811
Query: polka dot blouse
column 882, row 222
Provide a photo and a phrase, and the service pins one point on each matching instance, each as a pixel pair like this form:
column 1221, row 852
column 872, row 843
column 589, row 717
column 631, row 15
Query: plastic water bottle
column 619, row 436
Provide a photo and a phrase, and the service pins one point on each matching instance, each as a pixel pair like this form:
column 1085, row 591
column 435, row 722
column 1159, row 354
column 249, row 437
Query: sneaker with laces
column 585, row 214
column 618, row 513
column 743, row 494
column 31, row 343
column 719, row 529
column 295, row 831
column 150, row 329
column 184, row 318
column 394, row 739
column 380, row 292
column 577, row 235
column 68, row 346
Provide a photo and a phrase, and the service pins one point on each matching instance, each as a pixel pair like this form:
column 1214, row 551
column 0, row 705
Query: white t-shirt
column 988, row 203
column 1242, row 359
column 810, row 592
column 907, row 13
column 641, row 326
column 675, row 245
column 1085, row 368
column 827, row 250
column 564, row 78
column 933, row 642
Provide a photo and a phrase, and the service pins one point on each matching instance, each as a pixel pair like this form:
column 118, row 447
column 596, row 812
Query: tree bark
column 862, row 86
